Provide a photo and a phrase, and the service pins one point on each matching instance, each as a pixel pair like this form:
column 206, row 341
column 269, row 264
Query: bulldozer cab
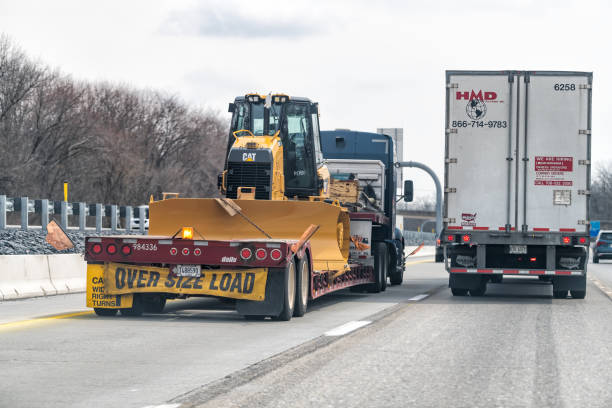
column 295, row 121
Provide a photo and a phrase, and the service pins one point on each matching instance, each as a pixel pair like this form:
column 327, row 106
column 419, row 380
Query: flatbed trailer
column 137, row 273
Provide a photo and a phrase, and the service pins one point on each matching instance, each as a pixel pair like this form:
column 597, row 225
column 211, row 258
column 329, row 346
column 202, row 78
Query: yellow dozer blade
column 280, row 219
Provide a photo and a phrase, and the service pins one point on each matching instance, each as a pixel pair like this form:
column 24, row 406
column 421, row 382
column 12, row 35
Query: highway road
column 414, row 345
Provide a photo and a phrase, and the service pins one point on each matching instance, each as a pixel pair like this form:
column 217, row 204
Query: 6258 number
column 565, row 87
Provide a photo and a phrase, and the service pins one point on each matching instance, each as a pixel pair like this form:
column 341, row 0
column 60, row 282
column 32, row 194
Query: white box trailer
column 517, row 178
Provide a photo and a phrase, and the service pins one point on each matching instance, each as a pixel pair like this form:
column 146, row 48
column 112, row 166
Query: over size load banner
column 248, row 284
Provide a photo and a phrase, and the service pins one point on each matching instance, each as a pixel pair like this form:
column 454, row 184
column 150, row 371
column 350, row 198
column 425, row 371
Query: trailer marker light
column 532, row 259
column 173, row 251
column 96, row 249
column 111, row 249
column 126, row 250
column 197, row 252
column 582, row 240
column 566, row 240
column 276, row 254
column 261, row 254
column 185, row 251
column 245, row 253
column 187, row 233
column 466, row 238
column 450, row 238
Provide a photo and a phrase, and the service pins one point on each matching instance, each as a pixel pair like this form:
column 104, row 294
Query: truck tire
column 397, row 276
column 154, row 304
column 479, row 291
column 137, row 307
column 379, row 268
column 559, row 294
column 578, row 294
column 302, row 284
column 459, row 292
column 105, row 312
column 385, row 263
column 288, row 293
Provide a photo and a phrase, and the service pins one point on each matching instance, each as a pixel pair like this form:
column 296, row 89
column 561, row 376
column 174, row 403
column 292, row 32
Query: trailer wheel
column 578, row 294
column 105, row 312
column 288, row 293
column 301, row 287
column 397, row 277
column 154, row 304
column 379, row 268
column 559, row 294
column 137, row 307
column 479, row 291
column 459, row 292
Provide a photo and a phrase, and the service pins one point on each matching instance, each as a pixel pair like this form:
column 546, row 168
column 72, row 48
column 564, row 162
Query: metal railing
column 46, row 208
column 417, row 238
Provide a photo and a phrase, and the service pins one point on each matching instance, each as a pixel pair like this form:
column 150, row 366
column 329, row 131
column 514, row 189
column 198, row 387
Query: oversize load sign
column 97, row 297
column 552, row 170
column 233, row 283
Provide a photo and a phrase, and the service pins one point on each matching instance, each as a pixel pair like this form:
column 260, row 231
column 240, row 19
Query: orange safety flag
column 57, row 238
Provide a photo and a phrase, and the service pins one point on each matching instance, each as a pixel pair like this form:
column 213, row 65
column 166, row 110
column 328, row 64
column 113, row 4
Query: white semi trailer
column 517, row 178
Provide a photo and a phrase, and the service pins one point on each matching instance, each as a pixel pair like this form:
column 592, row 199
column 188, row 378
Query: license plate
column 518, row 249
column 192, row 271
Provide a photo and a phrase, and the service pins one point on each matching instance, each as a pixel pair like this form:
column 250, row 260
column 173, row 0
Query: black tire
column 383, row 282
column 379, row 267
column 254, row 317
column 137, row 308
column 497, row 278
column 479, row 291
column 397, row 277
column 105, row 312
column 302, row 286
column 578, row 294
column 559, row 294
column 154, row 304
column 288, row 293
column 459, row 292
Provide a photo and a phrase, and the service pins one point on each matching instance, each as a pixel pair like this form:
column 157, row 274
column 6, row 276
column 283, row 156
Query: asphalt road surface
column 414, row 345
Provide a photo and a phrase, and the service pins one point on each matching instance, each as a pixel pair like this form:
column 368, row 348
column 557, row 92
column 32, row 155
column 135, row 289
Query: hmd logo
column 483, row 96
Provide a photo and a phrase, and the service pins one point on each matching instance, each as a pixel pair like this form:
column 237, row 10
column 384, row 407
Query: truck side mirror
column 408, row 191
column 232, row 107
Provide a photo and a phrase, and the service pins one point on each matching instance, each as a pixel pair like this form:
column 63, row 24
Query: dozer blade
column 279, row 219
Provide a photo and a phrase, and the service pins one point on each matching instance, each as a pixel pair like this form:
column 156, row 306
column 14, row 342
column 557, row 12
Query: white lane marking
column 419, row 297
column 163, row 406
column 347, row 328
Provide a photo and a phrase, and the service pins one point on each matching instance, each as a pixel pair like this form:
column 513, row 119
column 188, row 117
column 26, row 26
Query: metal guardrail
column 417, row 238
column 45, row 208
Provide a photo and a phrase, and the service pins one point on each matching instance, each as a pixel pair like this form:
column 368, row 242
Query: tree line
column 112, row 143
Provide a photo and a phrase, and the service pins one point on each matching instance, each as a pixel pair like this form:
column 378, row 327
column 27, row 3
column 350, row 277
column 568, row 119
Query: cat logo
column 248, row 156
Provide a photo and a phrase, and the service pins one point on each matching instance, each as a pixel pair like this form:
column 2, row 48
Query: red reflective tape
column 504, row 228
column 484, row 270
column 537, row 272
column 567, row 229
column 563, row 272
column 454, row 227
column 510, row 271
column 480, row 228
column 459, row 270
column 541, row 229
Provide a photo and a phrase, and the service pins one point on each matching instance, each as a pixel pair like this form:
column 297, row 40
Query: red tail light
column 173, row 251
column 582, row 240
column 276, row 254
column 261, row 254
column 532, row 259
column 185, row 251
column 197, row 252
column 466, row 238
column 566, row 240
column 126, row 250
column 111, row 249
column 245, row 253
column 96, row 249
column 450, row 238
column 599, row 243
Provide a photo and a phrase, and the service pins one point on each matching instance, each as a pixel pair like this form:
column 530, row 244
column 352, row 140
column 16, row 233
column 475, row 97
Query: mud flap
column 273, row 303
column 465, row 281
column 569, row 283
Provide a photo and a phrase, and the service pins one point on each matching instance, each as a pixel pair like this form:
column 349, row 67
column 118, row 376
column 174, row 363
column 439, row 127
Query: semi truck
column 284, row 231
column 517, row 179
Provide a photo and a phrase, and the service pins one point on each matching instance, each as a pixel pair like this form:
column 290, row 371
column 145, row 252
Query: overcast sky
column 368, row 64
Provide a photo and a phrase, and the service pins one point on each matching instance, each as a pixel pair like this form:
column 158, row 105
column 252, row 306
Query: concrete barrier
column 24, row 276
column 68, row 272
